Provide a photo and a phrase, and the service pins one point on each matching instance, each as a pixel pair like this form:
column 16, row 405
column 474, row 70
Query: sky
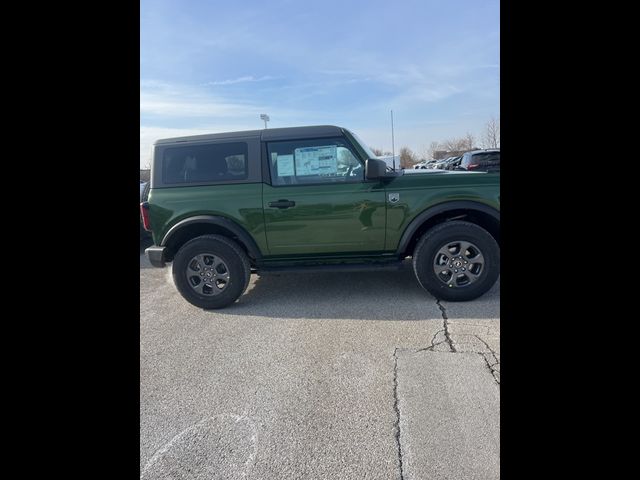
column 209, row 66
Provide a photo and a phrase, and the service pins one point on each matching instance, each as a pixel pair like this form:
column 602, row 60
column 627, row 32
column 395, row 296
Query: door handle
column 282, row 204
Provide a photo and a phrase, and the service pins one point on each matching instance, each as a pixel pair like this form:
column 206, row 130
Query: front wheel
column 211, row 271
column 457, row 261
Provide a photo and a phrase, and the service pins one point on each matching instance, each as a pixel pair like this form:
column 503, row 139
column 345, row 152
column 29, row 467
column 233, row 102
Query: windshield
column 363, row 145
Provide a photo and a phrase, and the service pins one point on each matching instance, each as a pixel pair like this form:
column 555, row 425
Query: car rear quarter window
column 211, row 163
column 491, row 159
column 486, row 158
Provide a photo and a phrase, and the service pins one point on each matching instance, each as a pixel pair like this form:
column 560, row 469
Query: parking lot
column 317, row 376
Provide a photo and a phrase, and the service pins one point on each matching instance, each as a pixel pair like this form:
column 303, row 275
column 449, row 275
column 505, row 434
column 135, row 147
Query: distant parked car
column 481, row 161
column 441, row 163
column 452, row 163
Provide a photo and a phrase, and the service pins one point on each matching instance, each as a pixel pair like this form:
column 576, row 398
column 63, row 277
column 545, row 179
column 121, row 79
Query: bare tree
column 454, row 144
column 469, row 140
column 433, row 147
column 407, row 158
column 458, row 144
column 491, row 137
column 379, row 152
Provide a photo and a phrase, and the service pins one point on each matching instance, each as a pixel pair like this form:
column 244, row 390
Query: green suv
column 313, row 198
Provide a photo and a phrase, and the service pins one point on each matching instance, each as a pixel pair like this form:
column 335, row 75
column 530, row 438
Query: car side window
column 322, row 160
column 215, row 163
column 481, row 159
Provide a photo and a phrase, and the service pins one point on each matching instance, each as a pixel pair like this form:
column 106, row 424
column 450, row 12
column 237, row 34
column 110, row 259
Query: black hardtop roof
column 264, row 134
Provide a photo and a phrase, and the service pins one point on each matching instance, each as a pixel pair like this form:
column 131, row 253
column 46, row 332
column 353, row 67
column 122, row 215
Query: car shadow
column 375, row 295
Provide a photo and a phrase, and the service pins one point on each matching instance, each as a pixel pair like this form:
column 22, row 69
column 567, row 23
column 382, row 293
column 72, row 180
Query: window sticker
column 316, row 160
column 285, row 165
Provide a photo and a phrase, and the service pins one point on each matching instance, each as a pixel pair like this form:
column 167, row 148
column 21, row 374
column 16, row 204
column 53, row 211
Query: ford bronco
column 222, row 206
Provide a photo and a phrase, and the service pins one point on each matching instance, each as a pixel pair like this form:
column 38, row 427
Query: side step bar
column 359, row 267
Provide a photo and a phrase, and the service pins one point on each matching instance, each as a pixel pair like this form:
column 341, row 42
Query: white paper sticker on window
column 316, row 160
column 285, row 165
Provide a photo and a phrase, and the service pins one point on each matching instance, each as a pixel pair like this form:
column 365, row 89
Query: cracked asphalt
column 332, row 375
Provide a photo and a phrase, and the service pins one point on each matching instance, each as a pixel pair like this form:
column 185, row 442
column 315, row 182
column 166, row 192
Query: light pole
column 266, row 118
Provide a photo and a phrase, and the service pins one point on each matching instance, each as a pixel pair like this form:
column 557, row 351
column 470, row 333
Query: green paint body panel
column 326, row 219
column 241, row 203
column 418, row 192
column 343, row 223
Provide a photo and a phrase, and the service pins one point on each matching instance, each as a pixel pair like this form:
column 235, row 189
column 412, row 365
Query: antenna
column 393, row 148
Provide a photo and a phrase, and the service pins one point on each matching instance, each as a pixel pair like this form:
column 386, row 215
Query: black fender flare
column 417, row 222
column 233, row 227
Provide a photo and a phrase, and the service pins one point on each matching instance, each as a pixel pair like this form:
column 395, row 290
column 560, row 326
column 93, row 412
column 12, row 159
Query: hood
column 436, row 178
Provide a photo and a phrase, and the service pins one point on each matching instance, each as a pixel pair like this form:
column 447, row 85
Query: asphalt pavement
column 331, row 375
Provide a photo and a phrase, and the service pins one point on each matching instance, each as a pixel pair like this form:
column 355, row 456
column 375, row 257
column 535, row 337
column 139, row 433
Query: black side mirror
column 375, row 169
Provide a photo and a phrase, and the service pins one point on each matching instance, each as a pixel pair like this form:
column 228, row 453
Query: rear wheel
column 211, row 271
column 457, row 261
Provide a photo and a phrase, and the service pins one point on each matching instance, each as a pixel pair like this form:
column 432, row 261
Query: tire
column 448, row 237
column 221, row 251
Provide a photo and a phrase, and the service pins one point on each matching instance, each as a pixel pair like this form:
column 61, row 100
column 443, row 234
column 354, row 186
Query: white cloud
column 195, row 111
column 182, row 107
column 247, row 78
column 174, row 102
